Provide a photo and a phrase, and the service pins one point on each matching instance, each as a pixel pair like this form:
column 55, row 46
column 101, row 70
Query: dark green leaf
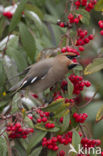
column 16, row 17
column 65, row 125
column 35, row 139
column 28, row 41
column 54, row 106
column 85, row 16
column 36, row 152
column 76, row 140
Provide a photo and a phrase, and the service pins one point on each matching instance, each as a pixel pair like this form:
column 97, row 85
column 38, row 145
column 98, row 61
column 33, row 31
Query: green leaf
column 15, row 52
column 35, row 139
column 96, row 66
column 99, row 5
column 3, row 146
column 70, row 89
column 85, row 16
column 65, row 125
column 36, row 151
column 10, row 70
column 35, row 9
column 16, row 17
column 54, row 106
column 20, row 150
column 28, row 41
column 75, row 140
column 2, row 74
column 29, row 122
column 42, row 127
column 99, row 114
column 52, row 153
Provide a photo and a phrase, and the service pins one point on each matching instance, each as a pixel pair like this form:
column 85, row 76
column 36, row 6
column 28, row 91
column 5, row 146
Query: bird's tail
column 15, row 88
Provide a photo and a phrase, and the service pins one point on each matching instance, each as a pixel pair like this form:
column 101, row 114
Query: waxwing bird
column 44, row 74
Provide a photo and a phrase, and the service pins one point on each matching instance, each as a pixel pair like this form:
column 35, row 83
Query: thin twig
column 87, row 103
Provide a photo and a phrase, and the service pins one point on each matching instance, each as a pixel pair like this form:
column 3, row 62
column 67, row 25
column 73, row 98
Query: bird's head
column 67, row 58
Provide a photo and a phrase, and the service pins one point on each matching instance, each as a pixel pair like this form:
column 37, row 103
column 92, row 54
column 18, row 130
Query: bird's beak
column 71, row 66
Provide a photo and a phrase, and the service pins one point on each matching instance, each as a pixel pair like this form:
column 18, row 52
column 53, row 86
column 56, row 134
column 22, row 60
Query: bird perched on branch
column 44, row 74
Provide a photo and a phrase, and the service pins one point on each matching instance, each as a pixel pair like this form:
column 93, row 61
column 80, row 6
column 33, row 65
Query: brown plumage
column 44, row 74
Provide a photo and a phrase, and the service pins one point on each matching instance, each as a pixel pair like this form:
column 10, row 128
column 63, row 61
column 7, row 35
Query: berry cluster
column 78, row 83
column 69, row 49
column 73, row 19
column 52, row 143
column 80, row 118
column 84, row 3
column 100, row 23
column 43, row 116
column 83, row 38
column 8, row 14
column 16, row 131
column 90, row 142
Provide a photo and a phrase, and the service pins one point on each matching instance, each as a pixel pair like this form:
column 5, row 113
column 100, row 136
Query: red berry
column 87, row 83
column 90, row 37
column 86, row 40
column 77, row 3
column 101, row 32
column 76, row 20
column 44, row 119
column 39, row 120
column 18, row 125
column 62, row 24
column 81, row 48
column 55, row 148
column 61, row 153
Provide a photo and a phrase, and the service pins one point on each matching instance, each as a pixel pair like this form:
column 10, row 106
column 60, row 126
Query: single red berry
column 61, row 153
column 55, row 148
column 62, row 24
column 61, row 120
column 101, row 32
column 90, row 37
column 75, row 115
column 18, row 125
column 77, row 3
column 81, row 48
column 44, row 119
column 76, row 20
column 39, row 120
column 47, row 113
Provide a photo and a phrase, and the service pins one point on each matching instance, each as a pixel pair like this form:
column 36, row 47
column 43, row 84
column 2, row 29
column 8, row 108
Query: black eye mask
column 71, row 66
column 71, row 57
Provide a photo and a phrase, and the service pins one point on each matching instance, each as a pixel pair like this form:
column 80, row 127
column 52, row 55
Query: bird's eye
column 71, row 56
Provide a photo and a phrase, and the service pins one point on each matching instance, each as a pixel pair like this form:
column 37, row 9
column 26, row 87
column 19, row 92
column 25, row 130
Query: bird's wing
column 36, row 72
